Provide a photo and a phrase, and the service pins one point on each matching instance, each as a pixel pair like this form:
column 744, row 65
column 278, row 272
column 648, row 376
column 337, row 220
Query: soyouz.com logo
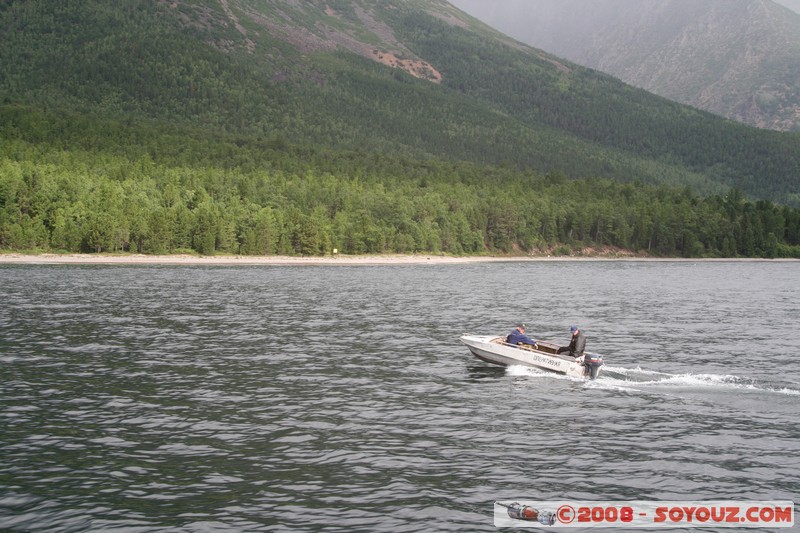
column 641, row 514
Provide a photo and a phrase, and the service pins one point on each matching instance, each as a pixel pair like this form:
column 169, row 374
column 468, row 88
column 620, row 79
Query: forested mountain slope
column 311, row 72
column 736, row 58
column 268, row 126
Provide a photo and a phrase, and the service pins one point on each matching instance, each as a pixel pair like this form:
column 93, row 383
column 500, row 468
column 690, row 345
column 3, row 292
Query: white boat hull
column 495, row 350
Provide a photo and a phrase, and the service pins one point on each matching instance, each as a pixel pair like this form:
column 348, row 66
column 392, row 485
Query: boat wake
column 640, row 379
column 529, row 371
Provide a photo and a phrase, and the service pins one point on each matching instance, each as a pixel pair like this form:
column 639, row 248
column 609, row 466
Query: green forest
column 153, row 127
column 232, row 196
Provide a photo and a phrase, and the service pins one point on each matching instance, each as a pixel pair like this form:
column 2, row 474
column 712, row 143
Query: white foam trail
column 689, row 380
column 637, row 370
column 607, row 385
column 652, row 379
column 521, row 370
column 532, row 372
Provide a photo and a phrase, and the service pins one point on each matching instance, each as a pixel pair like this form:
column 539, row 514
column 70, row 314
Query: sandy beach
column 142, row 259
column 134, row 259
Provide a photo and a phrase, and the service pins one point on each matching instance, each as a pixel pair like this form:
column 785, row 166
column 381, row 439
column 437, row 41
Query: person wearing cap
column 576, row 345
column 517, row 336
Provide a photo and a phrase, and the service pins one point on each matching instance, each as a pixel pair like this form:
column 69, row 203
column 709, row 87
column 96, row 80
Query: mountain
column 794, row 5
column 739, row 59
column 412, row 77
column 366, row 125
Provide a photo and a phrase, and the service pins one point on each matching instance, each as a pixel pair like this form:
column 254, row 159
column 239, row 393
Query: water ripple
column 338, row 399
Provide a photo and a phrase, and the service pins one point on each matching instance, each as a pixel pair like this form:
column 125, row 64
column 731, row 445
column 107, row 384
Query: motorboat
column 494, row 349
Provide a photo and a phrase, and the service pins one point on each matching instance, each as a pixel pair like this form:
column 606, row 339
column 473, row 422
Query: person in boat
column 517, row 336
column 576, row 345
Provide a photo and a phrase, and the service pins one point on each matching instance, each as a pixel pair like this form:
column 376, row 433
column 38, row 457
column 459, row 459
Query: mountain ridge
column 738, row 59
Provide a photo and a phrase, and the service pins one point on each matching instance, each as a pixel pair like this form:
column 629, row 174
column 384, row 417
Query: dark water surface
column 339, row 398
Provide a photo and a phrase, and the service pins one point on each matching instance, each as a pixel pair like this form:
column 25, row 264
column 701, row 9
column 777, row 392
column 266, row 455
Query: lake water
column 338, row 398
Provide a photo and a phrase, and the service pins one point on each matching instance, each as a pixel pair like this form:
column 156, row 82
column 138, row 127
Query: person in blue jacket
column 518, row 336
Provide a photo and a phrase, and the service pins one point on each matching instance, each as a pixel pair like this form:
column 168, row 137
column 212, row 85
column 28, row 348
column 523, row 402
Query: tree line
column 303, row 201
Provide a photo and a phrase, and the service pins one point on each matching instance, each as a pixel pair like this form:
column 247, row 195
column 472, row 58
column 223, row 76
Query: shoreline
column 344, row 260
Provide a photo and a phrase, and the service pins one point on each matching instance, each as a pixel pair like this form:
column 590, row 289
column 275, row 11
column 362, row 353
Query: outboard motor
column 592, row 362
column 528, row 513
